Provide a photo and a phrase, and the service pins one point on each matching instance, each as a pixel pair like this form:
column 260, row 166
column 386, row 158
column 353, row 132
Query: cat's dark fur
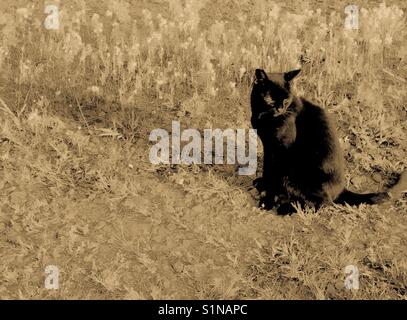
column 303, row 160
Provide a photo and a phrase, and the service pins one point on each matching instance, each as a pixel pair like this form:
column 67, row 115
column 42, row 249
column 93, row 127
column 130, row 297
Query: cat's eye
column 269, row 100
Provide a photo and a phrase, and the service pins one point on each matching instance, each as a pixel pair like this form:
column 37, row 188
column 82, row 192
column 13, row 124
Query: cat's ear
column 260, row 76
column 290, row 75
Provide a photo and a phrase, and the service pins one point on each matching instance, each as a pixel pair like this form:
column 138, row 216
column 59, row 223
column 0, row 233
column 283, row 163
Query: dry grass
column 77, row 189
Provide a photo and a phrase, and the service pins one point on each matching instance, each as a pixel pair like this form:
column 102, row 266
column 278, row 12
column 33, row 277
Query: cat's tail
column 355, row 199
column 394, row 193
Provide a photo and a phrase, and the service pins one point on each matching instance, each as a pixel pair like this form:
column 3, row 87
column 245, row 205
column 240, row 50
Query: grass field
column 77, row 189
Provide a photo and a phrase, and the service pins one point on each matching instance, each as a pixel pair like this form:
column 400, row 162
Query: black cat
column 303, row 160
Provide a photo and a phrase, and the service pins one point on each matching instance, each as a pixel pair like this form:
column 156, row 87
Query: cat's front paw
column 260, row 184
column 268, row 201
column 266, row 204
column 285, row 209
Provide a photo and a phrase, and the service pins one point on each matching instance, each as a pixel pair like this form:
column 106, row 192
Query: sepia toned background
column 77, row 189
